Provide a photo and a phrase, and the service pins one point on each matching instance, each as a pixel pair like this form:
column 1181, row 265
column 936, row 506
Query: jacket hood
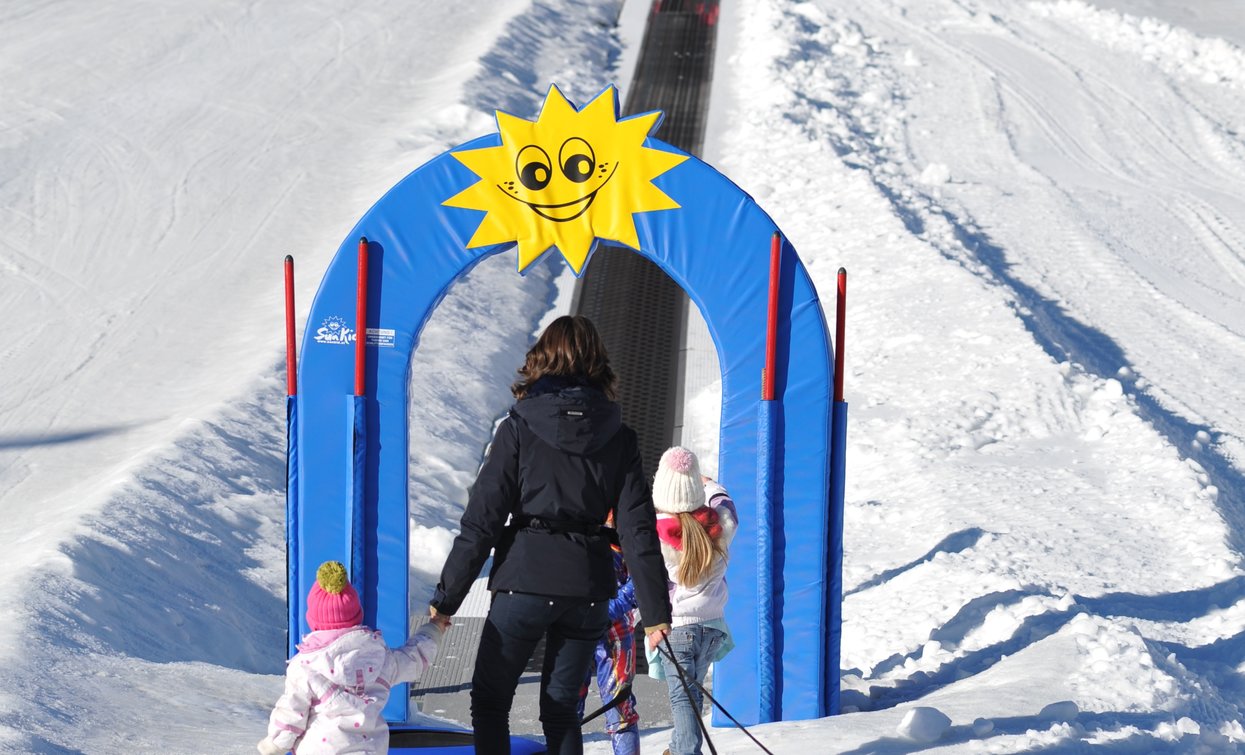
column 569, row 415
column 352, row 660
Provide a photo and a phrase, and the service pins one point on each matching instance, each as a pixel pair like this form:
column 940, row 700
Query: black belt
column 541, row 526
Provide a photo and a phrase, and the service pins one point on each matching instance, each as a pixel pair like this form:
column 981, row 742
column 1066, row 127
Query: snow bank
column 1209, row 60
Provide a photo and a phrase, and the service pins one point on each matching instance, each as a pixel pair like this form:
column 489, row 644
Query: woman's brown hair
column 700, row 550
column 569, row 347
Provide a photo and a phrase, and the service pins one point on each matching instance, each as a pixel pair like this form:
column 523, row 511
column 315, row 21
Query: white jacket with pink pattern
column 337, row 685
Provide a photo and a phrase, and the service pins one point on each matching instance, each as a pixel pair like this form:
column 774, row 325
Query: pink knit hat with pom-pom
column 333, row 602
column 677, row 486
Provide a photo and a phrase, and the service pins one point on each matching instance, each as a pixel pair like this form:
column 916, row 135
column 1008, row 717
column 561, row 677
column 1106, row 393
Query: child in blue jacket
column 614, row 664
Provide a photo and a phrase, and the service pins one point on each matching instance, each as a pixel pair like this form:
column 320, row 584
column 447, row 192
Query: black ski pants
column 516, row 622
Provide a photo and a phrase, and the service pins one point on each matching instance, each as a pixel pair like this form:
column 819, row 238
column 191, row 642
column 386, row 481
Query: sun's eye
column 534, row 167
column 577, row 159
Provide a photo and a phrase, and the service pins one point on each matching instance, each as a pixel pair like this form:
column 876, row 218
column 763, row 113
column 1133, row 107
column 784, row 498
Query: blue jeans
column 515, row 624
column 694, row 647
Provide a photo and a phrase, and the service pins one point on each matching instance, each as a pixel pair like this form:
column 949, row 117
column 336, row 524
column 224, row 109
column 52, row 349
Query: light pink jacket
column 337, row 685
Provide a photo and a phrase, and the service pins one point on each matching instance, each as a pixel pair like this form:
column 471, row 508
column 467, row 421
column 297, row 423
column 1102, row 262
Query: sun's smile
column 547, row 166
column 562, row 212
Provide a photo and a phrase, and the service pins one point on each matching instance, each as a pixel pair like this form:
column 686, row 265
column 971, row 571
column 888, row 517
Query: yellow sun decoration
column 568, row 178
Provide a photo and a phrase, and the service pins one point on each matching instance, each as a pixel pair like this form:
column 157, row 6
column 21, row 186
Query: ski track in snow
column 982, row 458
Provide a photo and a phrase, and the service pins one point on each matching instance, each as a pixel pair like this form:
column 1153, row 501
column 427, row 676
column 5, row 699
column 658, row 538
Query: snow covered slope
column 1040, row 208
column 159, row 160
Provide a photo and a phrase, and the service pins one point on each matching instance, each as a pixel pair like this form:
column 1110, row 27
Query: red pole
column 840, row 321
column 291, row 358
column 360, row 331
column 771, row 323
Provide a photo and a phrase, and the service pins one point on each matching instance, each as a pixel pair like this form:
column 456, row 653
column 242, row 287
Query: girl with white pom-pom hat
column 696, row 521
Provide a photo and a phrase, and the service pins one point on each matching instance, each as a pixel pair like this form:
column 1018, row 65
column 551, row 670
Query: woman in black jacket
column 558, row 464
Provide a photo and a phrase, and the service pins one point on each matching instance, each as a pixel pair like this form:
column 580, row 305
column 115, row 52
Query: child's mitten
column 267, row 747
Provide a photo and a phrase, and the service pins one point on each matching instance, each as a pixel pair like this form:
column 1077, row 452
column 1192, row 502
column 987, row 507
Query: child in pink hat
column 338, row 683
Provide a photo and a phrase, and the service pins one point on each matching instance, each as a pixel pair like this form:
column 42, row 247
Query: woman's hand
column 440, row 619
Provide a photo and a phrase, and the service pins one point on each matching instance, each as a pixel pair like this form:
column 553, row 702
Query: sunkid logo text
column 334, row 330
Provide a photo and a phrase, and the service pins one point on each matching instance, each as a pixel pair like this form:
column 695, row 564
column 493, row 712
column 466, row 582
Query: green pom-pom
column 332, row 577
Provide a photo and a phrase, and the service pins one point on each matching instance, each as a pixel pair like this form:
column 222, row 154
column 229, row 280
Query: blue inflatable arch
column 349, row 455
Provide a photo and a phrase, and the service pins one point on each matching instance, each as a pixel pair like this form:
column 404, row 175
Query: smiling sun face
column 565, row 180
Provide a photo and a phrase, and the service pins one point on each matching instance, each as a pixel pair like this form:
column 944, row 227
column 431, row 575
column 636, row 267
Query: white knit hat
column 677, row 485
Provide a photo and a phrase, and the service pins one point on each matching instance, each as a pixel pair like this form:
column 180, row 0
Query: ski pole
column 622, row 695
column 716, row 704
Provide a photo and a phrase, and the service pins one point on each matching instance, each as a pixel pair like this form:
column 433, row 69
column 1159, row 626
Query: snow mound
column 1064, row 711
column 934, row 174
column 923, row 724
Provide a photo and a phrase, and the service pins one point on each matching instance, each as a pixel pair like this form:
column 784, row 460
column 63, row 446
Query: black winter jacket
column 558, row 464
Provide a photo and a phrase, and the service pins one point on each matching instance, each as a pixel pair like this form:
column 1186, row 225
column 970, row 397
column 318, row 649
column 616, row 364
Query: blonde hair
column 700, row 550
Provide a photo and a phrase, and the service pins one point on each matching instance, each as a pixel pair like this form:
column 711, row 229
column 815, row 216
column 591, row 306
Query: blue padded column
column 292, row 635
column 834, row 595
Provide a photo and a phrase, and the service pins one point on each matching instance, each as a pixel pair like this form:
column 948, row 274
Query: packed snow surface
column 1041, row 209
